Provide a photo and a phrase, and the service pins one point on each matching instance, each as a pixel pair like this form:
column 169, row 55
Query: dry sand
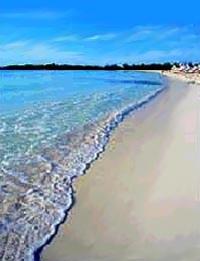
column 141, row 199
column 189, row 77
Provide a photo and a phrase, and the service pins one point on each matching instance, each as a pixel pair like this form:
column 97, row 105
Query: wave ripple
column 36, row 190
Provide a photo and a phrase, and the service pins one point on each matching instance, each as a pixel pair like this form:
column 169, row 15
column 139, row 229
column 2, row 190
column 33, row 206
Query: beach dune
column 141, row 199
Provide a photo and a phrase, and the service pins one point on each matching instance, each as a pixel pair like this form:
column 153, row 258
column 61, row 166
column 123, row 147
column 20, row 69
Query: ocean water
column 52, row 125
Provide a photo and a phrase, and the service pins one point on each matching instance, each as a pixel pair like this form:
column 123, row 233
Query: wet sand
column 141, row 199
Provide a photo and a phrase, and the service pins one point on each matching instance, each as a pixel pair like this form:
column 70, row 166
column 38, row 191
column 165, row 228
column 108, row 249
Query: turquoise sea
column 53, row 124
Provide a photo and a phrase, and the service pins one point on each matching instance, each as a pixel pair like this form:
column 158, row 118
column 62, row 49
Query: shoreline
column 111, row 124
column 57, row 165
column 191, row 78
column 74, row 240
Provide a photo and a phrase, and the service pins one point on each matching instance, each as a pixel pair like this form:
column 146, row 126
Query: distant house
column 187, row 68
column 174, row 68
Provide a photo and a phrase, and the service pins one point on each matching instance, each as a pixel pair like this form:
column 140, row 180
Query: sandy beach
column 141, row 199
column 188, row 77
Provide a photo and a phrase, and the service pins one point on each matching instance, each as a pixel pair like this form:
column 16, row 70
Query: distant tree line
column 110, row 67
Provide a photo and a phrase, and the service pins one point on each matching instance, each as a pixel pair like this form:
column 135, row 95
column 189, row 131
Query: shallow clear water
column 36, row 107
column 52, row 124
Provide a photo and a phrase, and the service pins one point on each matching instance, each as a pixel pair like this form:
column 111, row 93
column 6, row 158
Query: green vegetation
column 111, row 67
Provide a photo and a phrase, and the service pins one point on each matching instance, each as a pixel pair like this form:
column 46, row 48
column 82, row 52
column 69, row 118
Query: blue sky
column 106, row 31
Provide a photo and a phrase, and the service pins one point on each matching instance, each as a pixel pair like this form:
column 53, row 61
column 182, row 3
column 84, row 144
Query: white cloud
column 159, row 55
column 67, row 38
column 145, row 33
column 44, row 51
column 100, row 37
column 17, row 52
column 92, row 38
column 155, row 44
column 13, row 45
column 138, row 36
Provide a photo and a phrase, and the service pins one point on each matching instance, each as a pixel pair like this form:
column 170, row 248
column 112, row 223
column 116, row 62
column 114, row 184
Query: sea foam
column 36, row 190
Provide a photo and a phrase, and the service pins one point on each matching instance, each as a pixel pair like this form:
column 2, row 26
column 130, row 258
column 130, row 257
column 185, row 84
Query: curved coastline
column 54, row 171
column 140, row 199
column 112, row 122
